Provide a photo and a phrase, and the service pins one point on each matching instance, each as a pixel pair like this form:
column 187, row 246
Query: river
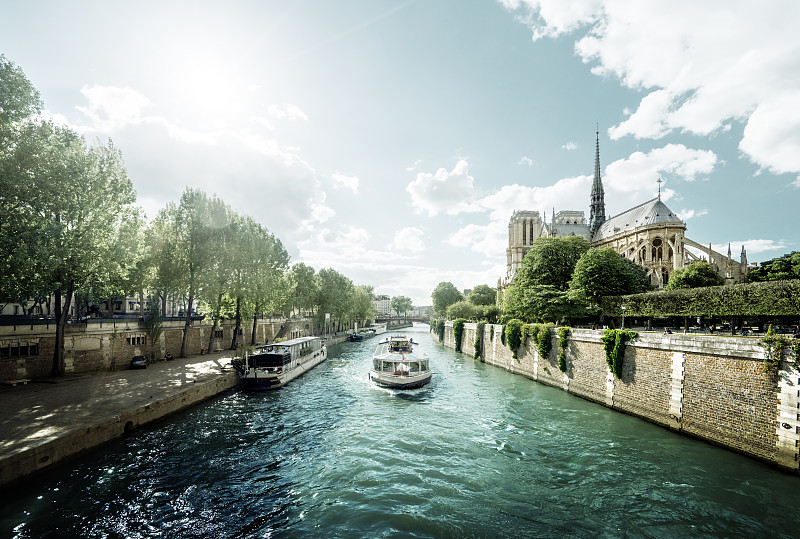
column 479, row 452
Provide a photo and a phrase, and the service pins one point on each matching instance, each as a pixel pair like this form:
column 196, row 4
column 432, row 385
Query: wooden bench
column 22, row 381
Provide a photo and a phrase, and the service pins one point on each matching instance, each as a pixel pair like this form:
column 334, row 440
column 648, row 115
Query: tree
column 444, row 295
column 165, row 277
column 19, row 100
column 153, row 327
column 68, row 201
column 695, row 275
column 334, row 292
column 401, row 305
column 196, row 221
column 603, row 272
column 304, row 287
column 463, row 309
column 362, row 305
column 777, row 269
column 551, row 261
column 269, row 264
column 482, row 295
column 544, row 303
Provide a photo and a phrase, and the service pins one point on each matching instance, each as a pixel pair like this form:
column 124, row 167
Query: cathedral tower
column 597, row 211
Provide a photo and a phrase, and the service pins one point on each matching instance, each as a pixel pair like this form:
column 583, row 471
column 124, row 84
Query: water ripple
column 478, row 452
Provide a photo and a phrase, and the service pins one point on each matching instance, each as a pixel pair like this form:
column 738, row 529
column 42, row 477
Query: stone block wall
column 710, row 387
column 110, row 345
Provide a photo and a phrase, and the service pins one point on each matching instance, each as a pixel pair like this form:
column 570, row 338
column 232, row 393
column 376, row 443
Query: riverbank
column 43, row 423
column 711, row 387
column 47, row 421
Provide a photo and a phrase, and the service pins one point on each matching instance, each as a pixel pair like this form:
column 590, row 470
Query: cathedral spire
column 597, row 211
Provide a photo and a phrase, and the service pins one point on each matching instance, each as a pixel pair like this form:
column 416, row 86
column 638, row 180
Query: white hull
column 390, row 380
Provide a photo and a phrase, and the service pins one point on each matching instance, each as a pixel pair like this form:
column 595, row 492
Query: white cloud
column 524, row 160
column 449, row 192
column 753, row 247
column 112, row 107
column 413, row 167
column 289, row 112
column 772, row 135
column 703, row 65
column 635, row 179
column 349, row 236
column 345, row 182
column 685, row 215
column 409, row 239
column 569, row 146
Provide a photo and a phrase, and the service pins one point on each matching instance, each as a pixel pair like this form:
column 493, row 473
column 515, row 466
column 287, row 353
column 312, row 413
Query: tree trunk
column 238, row 323
column 216, row 324
column 164, row 305
column 186, row 327
column 255, row 328
column 59, row 367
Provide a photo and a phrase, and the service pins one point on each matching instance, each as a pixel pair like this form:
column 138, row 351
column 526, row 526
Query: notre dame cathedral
column 650, row 234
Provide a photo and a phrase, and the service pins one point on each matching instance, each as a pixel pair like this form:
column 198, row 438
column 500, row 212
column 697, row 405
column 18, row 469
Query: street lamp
column 623, row 316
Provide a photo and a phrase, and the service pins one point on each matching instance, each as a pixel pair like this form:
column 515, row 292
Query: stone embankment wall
column 110, row 345
column 707, row 386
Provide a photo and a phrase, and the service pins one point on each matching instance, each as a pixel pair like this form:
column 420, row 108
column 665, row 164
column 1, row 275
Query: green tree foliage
column 304, row 287
column 551, row 262
column 197, row 224
column 444, row 295
column 544, row 303
column 165, row 277
column 19, row 100
column 482, row 295
column 401, row 304
column 463, row 309
column 777, row 269
column 153, row 327
column 695, row 275
column 363, row 307
column 603, row 272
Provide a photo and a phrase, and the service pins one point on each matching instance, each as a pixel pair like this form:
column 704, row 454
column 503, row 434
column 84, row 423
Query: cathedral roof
column 652, row 212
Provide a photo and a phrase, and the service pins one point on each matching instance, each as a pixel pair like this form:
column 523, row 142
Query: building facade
column 650, row 234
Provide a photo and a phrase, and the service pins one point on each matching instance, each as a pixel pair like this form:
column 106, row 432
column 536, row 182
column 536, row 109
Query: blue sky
column 391, row 141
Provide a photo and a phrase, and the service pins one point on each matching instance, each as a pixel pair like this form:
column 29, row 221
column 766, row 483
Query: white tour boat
column 396, row 365
column 274, row 365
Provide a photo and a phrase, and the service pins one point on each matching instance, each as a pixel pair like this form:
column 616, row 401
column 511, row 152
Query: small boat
column 355, row 337
column 275, row 365
column 396, row 365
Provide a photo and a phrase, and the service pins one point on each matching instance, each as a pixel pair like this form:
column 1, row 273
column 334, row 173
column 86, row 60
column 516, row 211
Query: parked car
column 139, row 362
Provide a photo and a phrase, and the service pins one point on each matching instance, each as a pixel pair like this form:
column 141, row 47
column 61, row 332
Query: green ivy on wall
column 563, row 336
column 458, row 330
column 437, row 326
column 479, row 340
column 513, row 332
column 614, row 341
column 777, row 349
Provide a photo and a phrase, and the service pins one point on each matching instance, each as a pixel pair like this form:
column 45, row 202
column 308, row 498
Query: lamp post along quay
column 623, row 316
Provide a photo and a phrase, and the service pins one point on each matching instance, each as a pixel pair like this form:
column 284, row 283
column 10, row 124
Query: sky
column 392, row 140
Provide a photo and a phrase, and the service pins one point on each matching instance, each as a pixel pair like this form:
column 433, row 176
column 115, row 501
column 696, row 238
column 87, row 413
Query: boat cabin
column 276, row 357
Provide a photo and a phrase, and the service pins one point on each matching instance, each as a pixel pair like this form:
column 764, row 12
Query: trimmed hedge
column 772, row 298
